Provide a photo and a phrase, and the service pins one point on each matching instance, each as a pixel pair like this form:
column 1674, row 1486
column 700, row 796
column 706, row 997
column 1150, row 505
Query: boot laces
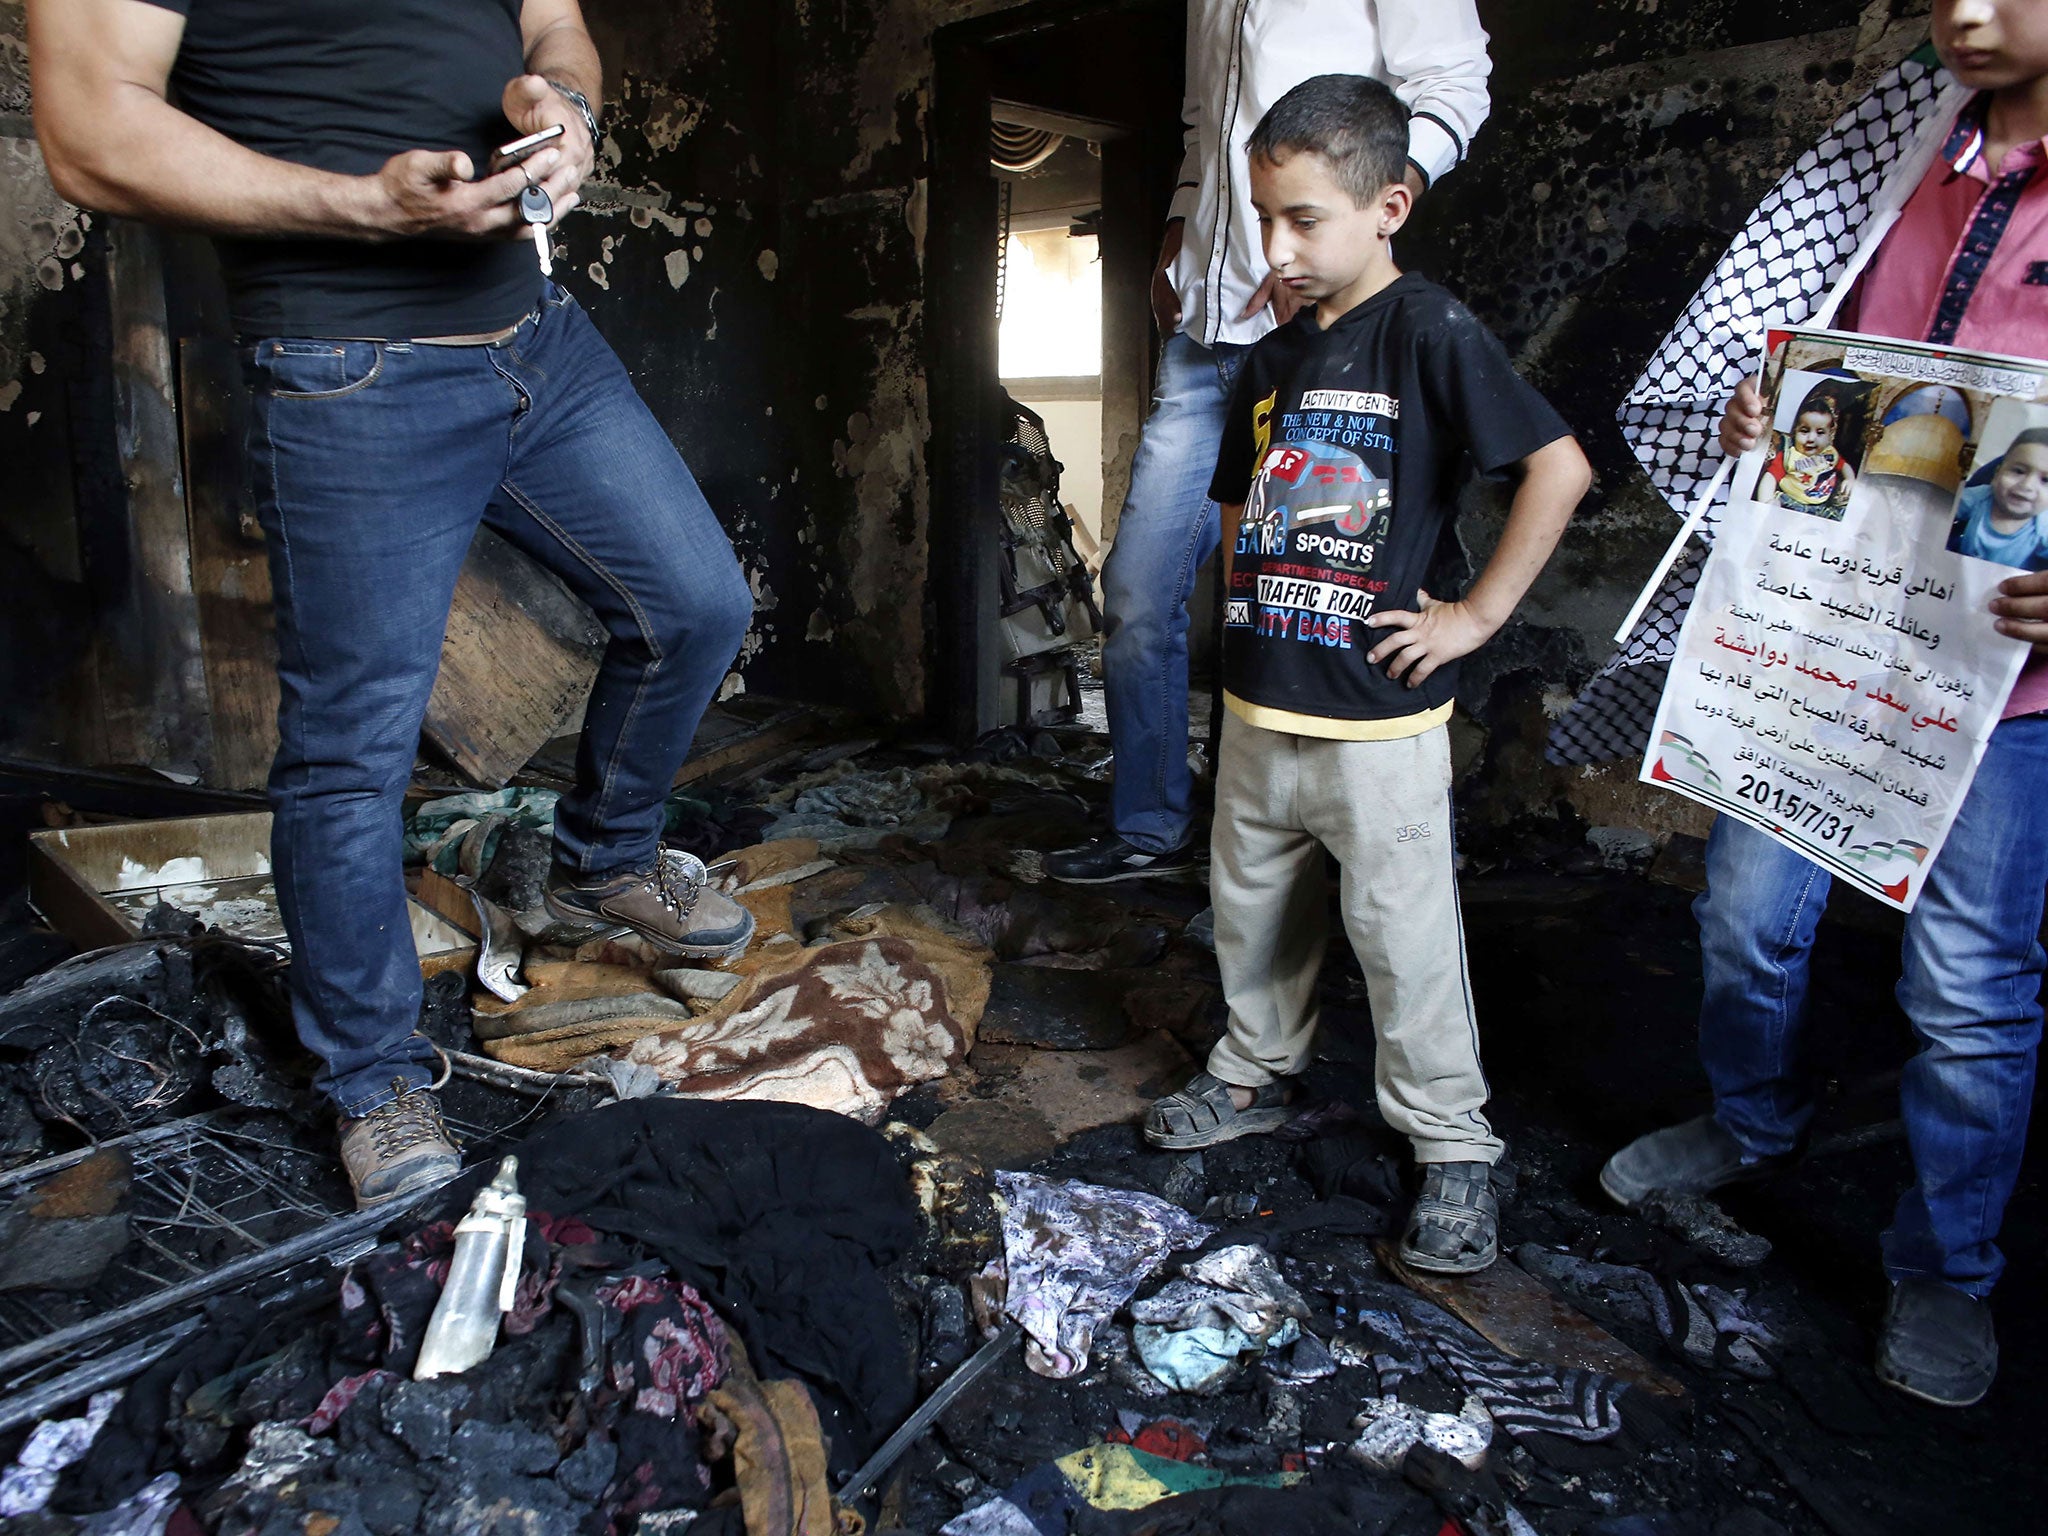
column 676, row 883
column 410, row 1120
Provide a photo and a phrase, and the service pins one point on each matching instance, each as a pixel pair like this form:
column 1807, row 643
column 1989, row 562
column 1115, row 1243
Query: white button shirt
column 1243, row 56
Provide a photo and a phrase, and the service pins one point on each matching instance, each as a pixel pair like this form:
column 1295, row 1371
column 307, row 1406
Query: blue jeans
column 1168, row 528
column 373, row 463
column 1970, row 987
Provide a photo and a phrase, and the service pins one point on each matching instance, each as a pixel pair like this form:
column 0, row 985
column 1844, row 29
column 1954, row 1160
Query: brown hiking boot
column 672, row 907
column 398, row 1148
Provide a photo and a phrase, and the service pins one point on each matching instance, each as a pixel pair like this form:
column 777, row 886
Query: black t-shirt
column 343, row 85
column 1347, row 448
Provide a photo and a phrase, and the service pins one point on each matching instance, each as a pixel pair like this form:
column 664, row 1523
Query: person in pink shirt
column 1966, row 264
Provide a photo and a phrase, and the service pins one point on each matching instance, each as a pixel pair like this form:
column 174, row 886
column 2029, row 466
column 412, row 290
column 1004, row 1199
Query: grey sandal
column 1455, row 1226
column 1201, row 1114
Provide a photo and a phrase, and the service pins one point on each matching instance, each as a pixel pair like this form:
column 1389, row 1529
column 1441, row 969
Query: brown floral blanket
column 887, row 1003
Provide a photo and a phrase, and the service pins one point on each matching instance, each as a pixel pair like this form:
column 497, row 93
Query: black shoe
column 1107, row 858
column 1695, row 1158
column 1937, row 1344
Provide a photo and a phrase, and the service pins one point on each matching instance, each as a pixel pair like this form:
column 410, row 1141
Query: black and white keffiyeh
column 1815, row 228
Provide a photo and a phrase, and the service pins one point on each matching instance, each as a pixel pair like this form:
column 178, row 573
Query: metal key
column 538, row 209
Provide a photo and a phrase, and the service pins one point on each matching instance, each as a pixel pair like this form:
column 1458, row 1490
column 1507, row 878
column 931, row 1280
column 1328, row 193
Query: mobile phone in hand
column 505, row 156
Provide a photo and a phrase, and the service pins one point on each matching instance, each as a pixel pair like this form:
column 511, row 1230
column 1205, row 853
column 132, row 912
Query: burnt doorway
column 1055, row 145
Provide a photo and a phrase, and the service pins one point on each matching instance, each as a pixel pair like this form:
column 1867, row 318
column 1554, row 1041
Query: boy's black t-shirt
column 1346, row 447
column 343, row 85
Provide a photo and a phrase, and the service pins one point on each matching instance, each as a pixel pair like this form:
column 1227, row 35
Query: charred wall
column 678, row 264
column 757, row 256
column 55, row 402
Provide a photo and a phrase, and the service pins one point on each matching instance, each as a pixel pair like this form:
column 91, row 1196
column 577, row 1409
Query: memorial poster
column 1838, row 675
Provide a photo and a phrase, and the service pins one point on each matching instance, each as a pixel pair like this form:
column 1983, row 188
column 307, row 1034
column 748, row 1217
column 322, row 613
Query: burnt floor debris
column 774, row 1208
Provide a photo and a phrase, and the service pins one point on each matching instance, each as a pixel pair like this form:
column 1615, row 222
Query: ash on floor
column 1354, row 1403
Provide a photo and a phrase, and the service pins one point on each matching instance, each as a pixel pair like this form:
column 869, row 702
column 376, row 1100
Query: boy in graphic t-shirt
column 1341, row 461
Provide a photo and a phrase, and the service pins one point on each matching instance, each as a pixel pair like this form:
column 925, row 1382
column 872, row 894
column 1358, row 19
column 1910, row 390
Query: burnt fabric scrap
column 25, row 1487
column 183, row 1408
column 1326, row 1505
column 148, row 1513
column 1051, row 1499
column 1075, row 1253
column 858, row 809
column 1229, row 1302
column 1525, row 1396
column 777, row 1448
column 435, row 833
column 1714, row 1328
column 1402, row 1336
column 783, row 1217
column 677, row 1345
column 1384, row 1345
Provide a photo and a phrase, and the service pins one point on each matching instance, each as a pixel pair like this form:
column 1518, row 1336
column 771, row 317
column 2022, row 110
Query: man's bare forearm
column 199, row 179
column 148, row 160
column 100, row 71
column 145, row 159
column 564, row 54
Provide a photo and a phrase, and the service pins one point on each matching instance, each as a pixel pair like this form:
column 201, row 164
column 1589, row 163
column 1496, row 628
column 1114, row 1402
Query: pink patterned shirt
column 1967, row 265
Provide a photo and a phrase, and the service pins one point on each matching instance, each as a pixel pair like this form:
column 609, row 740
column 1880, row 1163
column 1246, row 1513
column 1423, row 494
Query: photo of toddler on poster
column 2002, row 511
column 1815, row 446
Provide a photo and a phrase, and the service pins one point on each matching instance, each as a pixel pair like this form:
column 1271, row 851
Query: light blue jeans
column 1970, row 986
column 1168, row 528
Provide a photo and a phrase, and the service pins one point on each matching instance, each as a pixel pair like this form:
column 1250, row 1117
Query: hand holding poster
column 1838, row 674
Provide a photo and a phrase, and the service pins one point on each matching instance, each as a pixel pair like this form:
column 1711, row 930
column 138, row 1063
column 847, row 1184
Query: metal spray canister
column 482, row 1277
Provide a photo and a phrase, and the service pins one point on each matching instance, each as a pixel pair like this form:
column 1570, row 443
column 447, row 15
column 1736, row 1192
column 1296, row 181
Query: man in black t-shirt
column 413, row 373
column 1338, row 477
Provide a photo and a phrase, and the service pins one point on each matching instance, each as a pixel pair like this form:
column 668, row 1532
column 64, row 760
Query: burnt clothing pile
column 700, row 1326
column 582, row 1419
column 784, row 1216
column 706, row 1333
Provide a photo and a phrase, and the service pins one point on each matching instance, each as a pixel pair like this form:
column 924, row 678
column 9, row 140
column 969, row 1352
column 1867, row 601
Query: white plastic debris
column 51, row 1446
column 1390, row 1429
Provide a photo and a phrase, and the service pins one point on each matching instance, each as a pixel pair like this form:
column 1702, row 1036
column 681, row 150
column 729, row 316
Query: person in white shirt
column 1213, row 296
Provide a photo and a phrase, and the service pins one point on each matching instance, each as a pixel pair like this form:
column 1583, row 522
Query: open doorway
column 1056, row 139
column 1049, row 302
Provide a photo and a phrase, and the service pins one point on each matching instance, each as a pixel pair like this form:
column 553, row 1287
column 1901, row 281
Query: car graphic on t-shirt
column 1313, row 485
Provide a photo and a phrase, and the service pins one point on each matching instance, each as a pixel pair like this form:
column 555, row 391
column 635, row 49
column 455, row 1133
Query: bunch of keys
column 538, row 209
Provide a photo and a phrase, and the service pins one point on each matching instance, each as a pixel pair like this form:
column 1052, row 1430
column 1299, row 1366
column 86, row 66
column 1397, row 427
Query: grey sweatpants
column 1383, row 808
